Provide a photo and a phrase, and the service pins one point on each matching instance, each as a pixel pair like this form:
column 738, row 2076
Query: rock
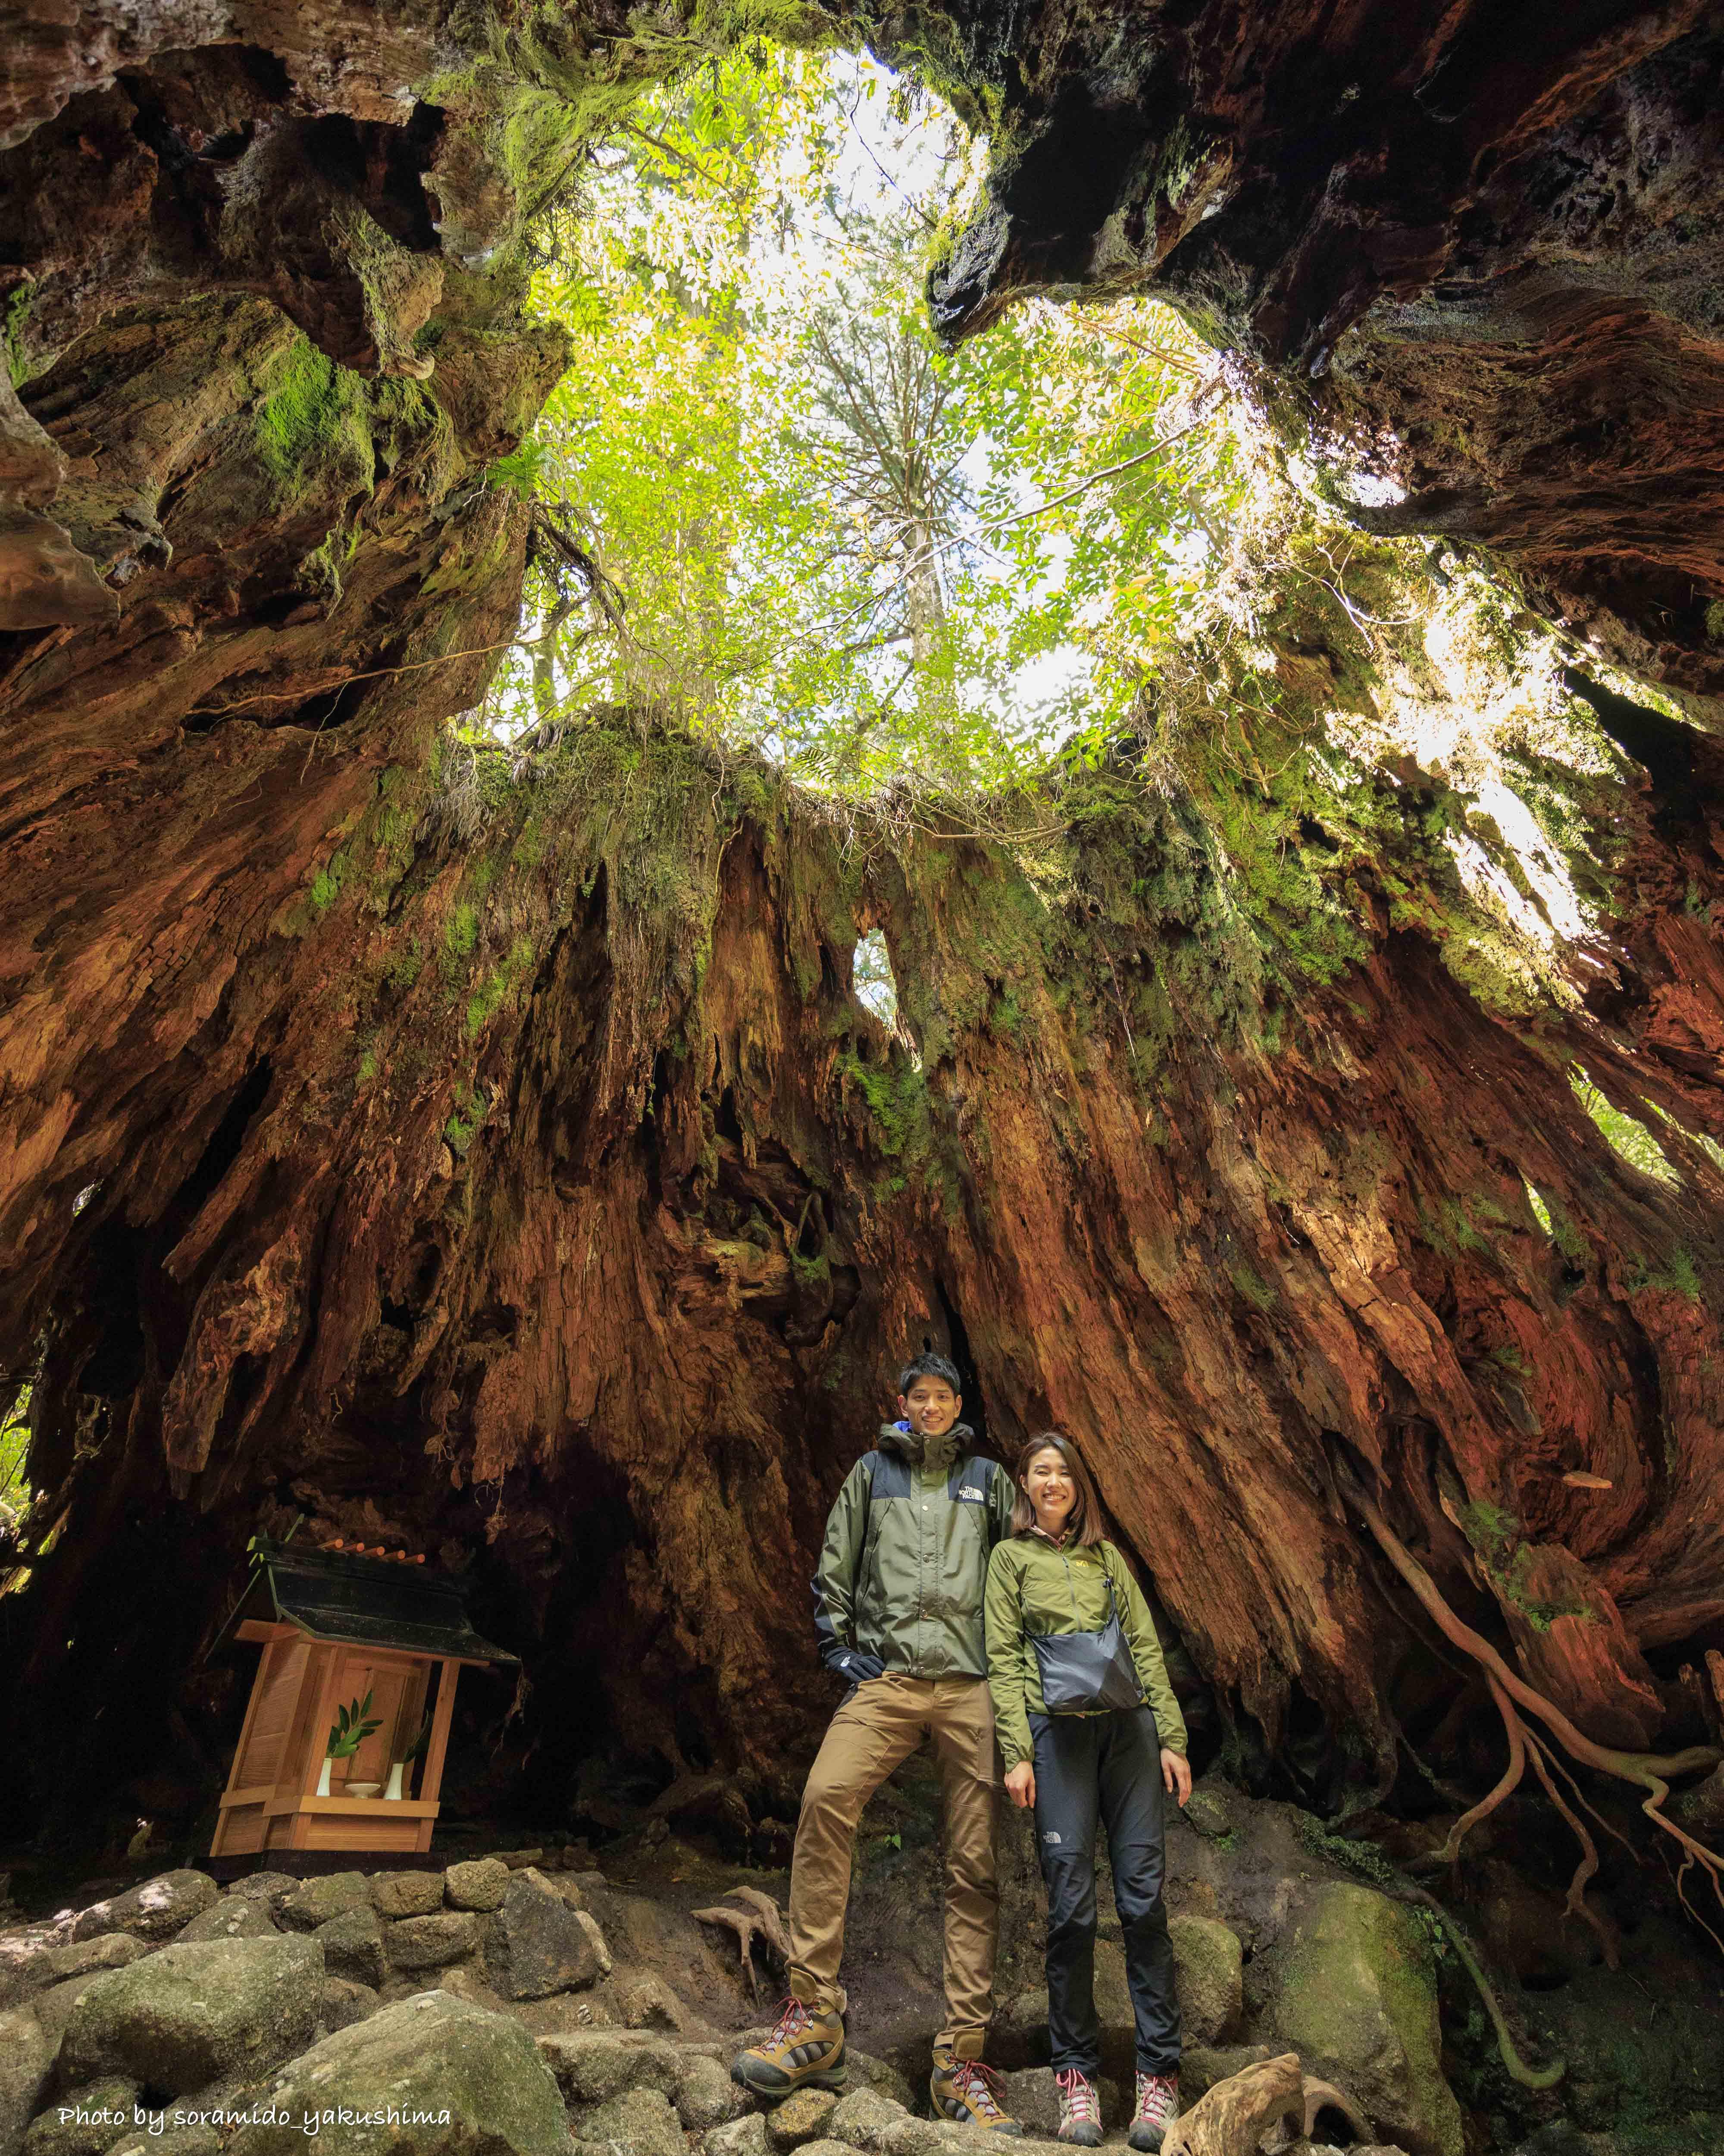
column 535, row 1944
column 417, row 1942
column 235, row 1916
column 802, row 2117
column 181, row 2017
column 157, row 1910
column 1210, row 1962
column 639, row 2120
column 1018, row 2034
column 272, row 1887
column 1356, row 1998
column 407, row 1894
column 431, row 2059
column 480, row 1883
column 514, row 1859
column 1033, row 2096
column 1209, row 1813
column 25, row 2055
column 643, row 2000
column 1201, row 2067
column 85, row 2121
column 825, row 2147
column 183, row 2140
column 589, row 1924
column 89, row 1957
column 314, row 1901
column 592, row 2066
column 342, row 2002
column 466, row 1979
column 862, row 2116
column 21, row 1958
column 879, row 2076
column 742, row 2136
column 352, row 1945
column 705, row 2096
column 926, row 2137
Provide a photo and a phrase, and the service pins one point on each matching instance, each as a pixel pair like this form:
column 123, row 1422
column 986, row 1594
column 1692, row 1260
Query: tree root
column 1646, row 1770
column 1516, row 2068
column 1515, row 1768
column 761, row 1919
column 1575, row 1904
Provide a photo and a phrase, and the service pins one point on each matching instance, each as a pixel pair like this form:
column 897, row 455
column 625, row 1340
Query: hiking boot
column 1158, row 2107
column 806, row 2050
column 1079, row 2108
column 966, row 2091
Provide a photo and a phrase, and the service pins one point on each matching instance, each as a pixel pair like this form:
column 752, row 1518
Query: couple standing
column 924, row 1537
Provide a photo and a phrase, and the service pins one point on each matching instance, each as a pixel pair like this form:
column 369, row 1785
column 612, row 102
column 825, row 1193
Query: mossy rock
column 1210, row 1965
column 456, row 2078
column 1207, row 1813
column 1357, row 2001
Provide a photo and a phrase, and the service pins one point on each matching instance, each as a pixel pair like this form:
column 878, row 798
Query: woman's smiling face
column 1048, row 1484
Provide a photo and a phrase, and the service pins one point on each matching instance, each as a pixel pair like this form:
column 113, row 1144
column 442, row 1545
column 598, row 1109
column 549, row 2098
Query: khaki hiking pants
column 875, row 1730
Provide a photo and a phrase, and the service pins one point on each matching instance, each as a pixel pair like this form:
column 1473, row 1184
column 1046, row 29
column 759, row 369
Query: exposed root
column 1516, row 1768
column 1531, row 2078
column 760, row 1919
column 1646, row 1770
column 1576, row 1905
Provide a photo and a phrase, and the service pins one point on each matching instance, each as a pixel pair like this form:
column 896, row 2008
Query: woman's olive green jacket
column 1033, row 1585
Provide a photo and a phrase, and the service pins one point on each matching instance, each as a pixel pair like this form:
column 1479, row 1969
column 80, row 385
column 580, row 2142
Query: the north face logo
column 1050, row 1836
column 973, row 1496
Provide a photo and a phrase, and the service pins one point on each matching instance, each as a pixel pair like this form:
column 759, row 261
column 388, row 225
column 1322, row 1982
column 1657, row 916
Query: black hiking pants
column 1106, row 1766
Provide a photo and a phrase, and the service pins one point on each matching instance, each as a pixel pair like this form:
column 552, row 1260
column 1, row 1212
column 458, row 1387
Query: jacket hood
column 906, row 1444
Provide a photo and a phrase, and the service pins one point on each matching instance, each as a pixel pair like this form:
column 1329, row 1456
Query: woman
column 1056, row 1575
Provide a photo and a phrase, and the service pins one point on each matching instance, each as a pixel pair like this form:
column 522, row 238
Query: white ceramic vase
column 396, row 1771
column 323, row 1778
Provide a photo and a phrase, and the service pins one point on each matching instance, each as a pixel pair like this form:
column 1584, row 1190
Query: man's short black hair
column 929, row 1366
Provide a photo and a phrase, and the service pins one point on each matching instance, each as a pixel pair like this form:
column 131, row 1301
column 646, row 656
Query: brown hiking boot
column 806, row 2050
column 969, row 2092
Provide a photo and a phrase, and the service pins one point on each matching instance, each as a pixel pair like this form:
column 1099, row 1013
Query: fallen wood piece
column 1324, row 2096
column 1234, row 2117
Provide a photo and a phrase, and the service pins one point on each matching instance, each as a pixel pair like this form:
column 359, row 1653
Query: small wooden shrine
column 336, row 1624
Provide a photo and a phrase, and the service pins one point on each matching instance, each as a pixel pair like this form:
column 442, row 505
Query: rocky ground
column 547, row 2008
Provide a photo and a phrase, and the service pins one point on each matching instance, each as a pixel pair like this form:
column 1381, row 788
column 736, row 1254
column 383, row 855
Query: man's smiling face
column 929, row 1407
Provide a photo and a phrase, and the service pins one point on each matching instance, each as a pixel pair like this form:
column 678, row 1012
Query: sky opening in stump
column 773, row 508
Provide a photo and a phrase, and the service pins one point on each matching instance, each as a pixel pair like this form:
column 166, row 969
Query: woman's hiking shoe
column 805, row 2050
column 966, row 2091
column 1158, row 2107
column 1079, row 2109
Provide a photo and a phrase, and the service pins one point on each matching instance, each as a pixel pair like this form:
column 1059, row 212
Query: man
column 898, row 1613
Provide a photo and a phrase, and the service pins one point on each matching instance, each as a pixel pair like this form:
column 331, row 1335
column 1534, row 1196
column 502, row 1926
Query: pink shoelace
column 793, row 2017
column 1079, row 2092
column 981, row 2085
column 1157, row 2097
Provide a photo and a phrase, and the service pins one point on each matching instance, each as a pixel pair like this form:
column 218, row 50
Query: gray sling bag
column 1083, row 1671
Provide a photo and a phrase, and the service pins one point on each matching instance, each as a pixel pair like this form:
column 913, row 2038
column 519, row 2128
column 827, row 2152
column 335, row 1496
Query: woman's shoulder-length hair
column 1085, row 1529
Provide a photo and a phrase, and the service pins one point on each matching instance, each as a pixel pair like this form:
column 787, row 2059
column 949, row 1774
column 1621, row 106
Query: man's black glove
column 853, row 1666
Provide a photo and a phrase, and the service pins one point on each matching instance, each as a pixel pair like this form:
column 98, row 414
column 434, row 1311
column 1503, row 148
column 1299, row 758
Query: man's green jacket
column 904, row 1568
